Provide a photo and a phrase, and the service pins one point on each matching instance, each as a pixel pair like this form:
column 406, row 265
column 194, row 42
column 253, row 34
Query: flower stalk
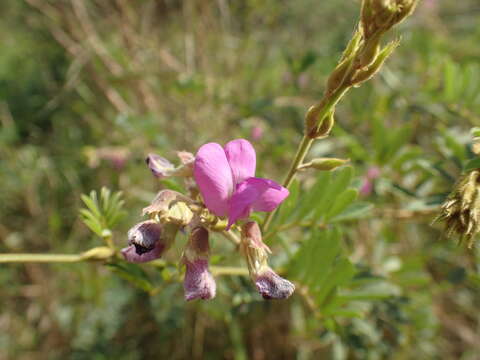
column 361, row 60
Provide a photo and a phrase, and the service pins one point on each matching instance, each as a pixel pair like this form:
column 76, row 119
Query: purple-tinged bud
column 199, row 282
column 272, row 286
column 268, row 283
column 159, row 166
column 162, row 168
column 147, row 241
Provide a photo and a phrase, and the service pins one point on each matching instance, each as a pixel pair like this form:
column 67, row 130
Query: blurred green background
column 88, row 88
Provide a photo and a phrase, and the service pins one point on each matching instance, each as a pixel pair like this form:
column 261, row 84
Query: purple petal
column 199, row 282
column 255, row 194
column 242, row 159
column 145, row 242
column 214, row 178
column 271, row 197
column 138, row 254
column 367, row 187
column 272, row 286
column 159, row 166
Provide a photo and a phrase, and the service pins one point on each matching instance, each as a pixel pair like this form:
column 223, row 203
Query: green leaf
column 341, row 202
column 342, row 272
column 357, row 210
column 133, row 274
column 173, row 185
column 101, row 215
column 314, row 196
column 289, row 204
column 338, row 184
column 472, row 165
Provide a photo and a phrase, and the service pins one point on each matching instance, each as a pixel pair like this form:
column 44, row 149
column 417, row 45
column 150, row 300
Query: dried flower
column 268, row 283
column 225, row 177
column 461, row 210
column 199, row 282
column 170, row 207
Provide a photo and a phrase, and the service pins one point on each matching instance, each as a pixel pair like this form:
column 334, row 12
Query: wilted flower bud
column 380, row 15
column 268, row 283
column 148, row 240
column 199, row 282
column 374, row 67
column 461, row 211
column 339, row 75
column 162, row 168
column 272, row 286
column 369, row 52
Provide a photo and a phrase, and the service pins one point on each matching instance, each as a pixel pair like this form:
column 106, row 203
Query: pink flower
column 225, row 177
column 256, row 132
column 373, row 173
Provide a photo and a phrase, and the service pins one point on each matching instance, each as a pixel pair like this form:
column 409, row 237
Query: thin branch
column 41, row 258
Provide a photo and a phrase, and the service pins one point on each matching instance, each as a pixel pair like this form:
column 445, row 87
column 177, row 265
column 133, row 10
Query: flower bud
column 339, row 75
column 199, row 282
column 324, row 164
column 268, row 283
column 378, row 16
column 314, row 126
column 369, row 52
column 162, row 168
column 148, row 240
column 159, row 166
column 368, row 73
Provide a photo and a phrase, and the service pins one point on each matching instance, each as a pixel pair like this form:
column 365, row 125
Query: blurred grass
column 87, row 88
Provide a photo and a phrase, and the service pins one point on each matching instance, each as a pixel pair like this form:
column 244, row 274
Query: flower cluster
column 223, row 189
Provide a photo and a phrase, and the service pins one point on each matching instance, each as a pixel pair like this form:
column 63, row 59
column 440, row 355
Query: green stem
column 41, row 258
column 230, row 235
column 305, row 145
column 227, row 270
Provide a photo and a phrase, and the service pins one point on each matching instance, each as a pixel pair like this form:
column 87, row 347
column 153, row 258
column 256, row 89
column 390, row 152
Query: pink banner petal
column 242, row 159
column 214, row 178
